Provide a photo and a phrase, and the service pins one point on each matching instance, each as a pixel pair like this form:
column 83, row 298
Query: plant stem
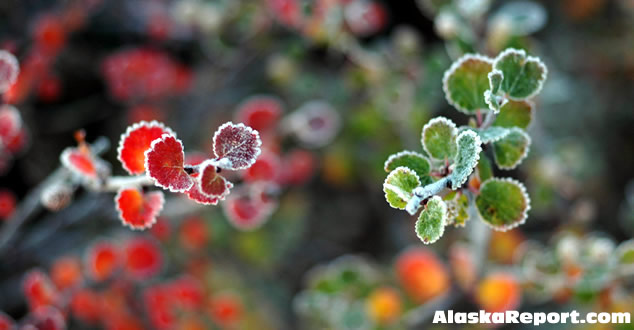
column 422, row 193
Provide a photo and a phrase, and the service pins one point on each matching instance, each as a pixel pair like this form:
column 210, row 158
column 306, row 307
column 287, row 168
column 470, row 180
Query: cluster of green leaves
column 498, row 90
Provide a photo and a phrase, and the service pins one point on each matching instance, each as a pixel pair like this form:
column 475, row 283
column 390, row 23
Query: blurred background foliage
column 381, row 70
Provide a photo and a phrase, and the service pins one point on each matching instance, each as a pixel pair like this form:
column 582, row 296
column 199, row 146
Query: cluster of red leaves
column 153, row 149
column 361, row 17
column 68, row 287
column 144, row 74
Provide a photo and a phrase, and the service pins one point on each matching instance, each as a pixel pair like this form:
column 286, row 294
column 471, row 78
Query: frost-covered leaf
column 136, row 141
column 512, row 149
column 412, row 160
column 237, row 146
column 514, row 114
column 523, row 75
column 495, row 80
column 81, row 162
column 492, row 134
column 457, row 208
column 469, row 146
column 138, row 210
column 211, row 183
column 503, row 204
column 398, row 186
column 197, row 196
column 431, row 223
column 491, row 96
column 485, row 170
column 164, row 164
column 438, row 138
column 9, row 70
column 466, row 81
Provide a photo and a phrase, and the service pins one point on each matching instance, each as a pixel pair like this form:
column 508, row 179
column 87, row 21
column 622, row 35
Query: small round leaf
column 138, row 210
column 523, row 75
column 164, row 162
column 503, row 204
column 431, row 223
column 511, row 150
column 465, row 82
column 398, row 186
column 412, row 160
column 237, row 146
column 514, row 114
column 438, row 138
column 136, row 140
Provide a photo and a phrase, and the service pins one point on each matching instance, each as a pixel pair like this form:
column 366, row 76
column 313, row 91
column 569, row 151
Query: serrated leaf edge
column 431, row 122
column 452, row 69
column 134, row 127
column 227, row 163
column 120, row 211
column 517, row 223
column 527, row 58
column 444, row 220
column 529, row 141
column 199, row 181
column 146, row 164
column 400, row 154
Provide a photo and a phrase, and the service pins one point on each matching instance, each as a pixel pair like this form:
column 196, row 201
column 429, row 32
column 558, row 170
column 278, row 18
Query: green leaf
column 514, row 114
column 457, row 208
column 625, row 257
column 511, row 150
column 431, row 223
column 412, row 160
column 523, row 75
column 398, row 186
column 438, row 138
column 485, row 170
column 495, row 80
column 465, row 82
column 493, row 134
column 491, row 96
column 469, row 148
column 503, row 203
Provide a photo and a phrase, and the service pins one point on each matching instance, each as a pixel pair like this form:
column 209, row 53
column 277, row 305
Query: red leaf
column 266, row 168
column 138, row 210
column 9, row 70
column 102, row 260
column 211, row 183
column 197, row 196
column 260, row 112
column 164, row 164
column 246, row 212
column 136, row 141
column 237, row 146
column 79, row 161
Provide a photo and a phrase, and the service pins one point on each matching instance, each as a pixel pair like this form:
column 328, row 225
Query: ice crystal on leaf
column 136, row 141
column 211, row 183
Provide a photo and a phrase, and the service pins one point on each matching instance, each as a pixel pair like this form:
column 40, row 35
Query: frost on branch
column 138, row 210
column 523, row 75
column 164, row 162
column 515, row 114
column 511, row 149
column 412, row 160
column 212, row 184
column 468, row 145
column 136, row 141
column 439, row 138
column 399, row 185
column 503, row 204
column 431, row 223
column 236, row 146
column 9, row 70
column 465, row 82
